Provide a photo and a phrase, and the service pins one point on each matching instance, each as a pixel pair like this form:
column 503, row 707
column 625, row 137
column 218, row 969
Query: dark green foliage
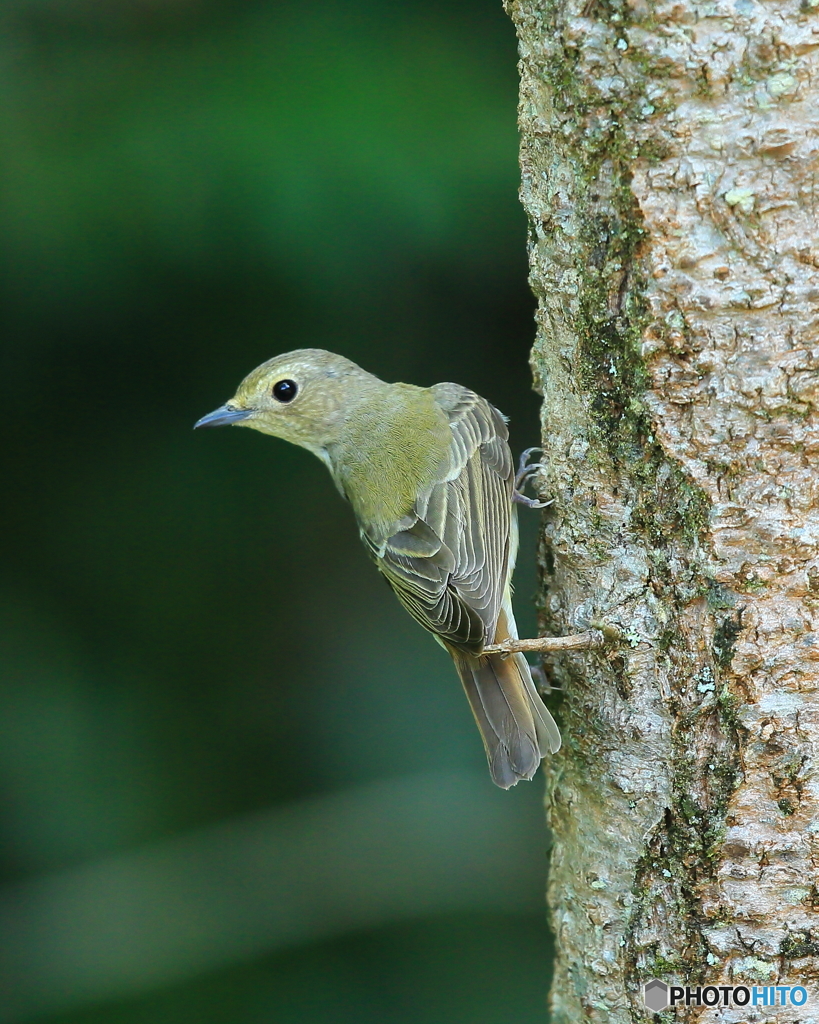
column 188, row 188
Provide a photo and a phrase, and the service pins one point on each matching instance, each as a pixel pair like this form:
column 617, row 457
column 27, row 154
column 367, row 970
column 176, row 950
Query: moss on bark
column 637, row 237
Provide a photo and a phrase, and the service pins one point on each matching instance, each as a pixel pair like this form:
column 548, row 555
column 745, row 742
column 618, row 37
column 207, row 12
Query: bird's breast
column 391, row 454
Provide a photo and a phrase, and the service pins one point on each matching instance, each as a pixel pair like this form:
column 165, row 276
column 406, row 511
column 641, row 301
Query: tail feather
column 515, row 725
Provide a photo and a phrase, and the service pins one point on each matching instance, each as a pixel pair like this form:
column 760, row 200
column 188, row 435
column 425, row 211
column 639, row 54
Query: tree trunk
column 669, row 161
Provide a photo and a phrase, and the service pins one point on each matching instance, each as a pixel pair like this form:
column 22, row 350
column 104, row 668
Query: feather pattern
column 450, row 564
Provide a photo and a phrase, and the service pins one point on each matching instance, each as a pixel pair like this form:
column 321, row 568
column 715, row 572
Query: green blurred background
column 191, row 632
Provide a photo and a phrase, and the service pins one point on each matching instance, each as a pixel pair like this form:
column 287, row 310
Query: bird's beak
column 222, row 416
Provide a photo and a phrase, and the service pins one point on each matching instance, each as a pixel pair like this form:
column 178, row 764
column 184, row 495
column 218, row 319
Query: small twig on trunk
column 591, row 638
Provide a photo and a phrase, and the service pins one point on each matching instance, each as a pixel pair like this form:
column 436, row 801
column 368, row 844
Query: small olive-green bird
column 429, row 474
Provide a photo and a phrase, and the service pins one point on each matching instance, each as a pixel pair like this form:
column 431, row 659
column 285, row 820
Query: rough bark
column 670, row 154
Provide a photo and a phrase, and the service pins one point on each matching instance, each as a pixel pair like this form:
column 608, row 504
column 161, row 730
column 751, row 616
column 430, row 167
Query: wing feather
column 449, row 565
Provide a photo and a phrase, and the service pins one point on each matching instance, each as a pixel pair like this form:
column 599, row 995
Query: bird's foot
column 542, row 684
column 526, row 471
column 522, row 499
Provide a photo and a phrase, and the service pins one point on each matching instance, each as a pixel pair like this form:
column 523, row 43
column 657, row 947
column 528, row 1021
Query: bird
column 431, row 481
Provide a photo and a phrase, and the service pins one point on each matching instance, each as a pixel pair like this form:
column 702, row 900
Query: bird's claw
column 542, row 684
column 522, row 499
column 523, row 462
column 525, row 473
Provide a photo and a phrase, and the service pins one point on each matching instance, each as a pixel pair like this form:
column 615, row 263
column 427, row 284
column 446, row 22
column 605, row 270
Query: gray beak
column 222, row 416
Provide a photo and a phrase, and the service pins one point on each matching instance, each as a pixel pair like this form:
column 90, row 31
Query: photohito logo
column 658, row 996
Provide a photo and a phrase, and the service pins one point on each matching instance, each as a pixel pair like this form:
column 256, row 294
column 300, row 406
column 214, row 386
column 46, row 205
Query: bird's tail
column 515, row 724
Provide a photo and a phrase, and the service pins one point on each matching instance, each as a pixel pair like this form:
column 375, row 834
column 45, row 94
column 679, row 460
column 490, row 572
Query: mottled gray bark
column 670, row 154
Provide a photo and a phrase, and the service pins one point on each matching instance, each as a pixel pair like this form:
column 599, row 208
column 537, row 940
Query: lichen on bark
column 669, row 158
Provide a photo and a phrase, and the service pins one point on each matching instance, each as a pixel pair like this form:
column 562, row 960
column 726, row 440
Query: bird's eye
column 285, row 390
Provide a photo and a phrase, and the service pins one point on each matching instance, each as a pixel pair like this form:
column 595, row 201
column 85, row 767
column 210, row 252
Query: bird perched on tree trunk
column 429, row 474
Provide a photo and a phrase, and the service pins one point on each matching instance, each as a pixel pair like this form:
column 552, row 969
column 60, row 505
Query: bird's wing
column 448, row 561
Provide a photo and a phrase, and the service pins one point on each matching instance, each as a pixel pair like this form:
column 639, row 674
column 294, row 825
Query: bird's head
column 302, row 397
